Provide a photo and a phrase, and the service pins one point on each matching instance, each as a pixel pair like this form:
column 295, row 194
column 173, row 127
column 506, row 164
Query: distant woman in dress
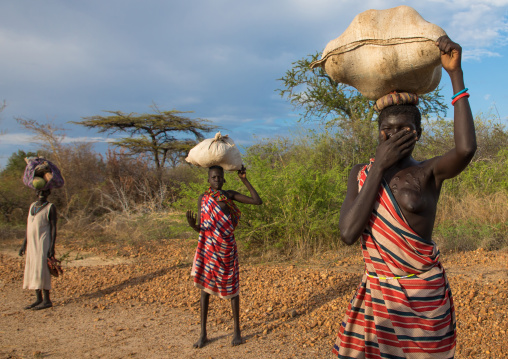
column 39, row 245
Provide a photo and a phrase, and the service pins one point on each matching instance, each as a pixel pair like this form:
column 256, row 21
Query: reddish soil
column 140, row 303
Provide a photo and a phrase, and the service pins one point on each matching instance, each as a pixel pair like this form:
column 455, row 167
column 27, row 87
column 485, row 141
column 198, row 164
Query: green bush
column 302, row 181
column 483, row 177
column 301, row 200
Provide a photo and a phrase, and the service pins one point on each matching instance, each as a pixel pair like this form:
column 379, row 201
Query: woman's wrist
column 457, row 78
column 377, row 168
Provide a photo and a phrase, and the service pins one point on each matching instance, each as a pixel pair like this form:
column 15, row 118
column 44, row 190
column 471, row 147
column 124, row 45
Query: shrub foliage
column 301, row 178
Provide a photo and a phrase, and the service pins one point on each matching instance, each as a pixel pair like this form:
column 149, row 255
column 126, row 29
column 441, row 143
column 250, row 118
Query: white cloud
column 478, row 54
column 469, row 3
column 31, row 56
column 221, row 59
column 11, row 139
column 472, row 23
column 87, row 139
column 480, row 25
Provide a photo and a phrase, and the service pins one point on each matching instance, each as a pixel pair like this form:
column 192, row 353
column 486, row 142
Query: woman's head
column 409, row 111
column 43, row 193
column 216, row 177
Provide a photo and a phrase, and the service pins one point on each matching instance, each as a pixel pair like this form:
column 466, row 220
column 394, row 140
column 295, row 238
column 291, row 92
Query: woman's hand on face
column 242, row 173
column 392, row 148
column 451, row 53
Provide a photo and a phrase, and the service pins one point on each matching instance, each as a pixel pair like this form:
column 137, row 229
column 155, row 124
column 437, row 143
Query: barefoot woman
column 403, row 307
column 215, row 268
column 39, row 245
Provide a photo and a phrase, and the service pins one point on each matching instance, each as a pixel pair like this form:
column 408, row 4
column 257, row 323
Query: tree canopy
column 153, row 133
column 341, row 108
column 319, row 98
column 16, row 163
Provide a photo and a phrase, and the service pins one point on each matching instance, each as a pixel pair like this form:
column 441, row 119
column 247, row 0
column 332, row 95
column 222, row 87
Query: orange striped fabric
column 389, row 317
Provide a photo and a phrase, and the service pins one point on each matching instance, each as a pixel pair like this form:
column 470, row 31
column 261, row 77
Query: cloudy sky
column 63, row 60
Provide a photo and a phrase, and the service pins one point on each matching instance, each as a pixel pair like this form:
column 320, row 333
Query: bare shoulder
column 355, row 171
column 52, row 208
column 428, row 165
column 352, row 183
column 359, row 166
column 421, row 171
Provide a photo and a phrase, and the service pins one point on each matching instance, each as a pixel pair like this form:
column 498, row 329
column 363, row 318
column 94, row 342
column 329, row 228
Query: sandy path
column 143, row 305
column 137, row 331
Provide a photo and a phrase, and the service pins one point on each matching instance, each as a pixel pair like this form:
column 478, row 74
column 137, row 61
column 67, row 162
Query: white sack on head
column 385, row 50
column 217, row 151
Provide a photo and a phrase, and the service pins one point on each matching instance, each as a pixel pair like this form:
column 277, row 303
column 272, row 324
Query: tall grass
column 301, row 199
column 472, row 221
column 302, row 180
column 473, row 209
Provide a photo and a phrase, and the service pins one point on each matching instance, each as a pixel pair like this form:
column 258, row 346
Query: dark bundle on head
column 399, row 110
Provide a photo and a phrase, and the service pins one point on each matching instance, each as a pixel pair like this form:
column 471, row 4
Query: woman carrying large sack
column 403, row 307
column 215, row 268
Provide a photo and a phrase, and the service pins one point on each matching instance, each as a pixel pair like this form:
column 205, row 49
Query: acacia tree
column 341, row 107
column 153, row 133
column 320, row 98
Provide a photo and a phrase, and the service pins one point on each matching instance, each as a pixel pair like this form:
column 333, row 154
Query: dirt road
column 142, row 305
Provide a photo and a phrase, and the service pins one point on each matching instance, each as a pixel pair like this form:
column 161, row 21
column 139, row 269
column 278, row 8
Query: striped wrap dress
column 215, row 267
column 403, row 307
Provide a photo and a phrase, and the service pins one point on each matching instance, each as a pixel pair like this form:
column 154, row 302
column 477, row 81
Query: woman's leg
column 38, row 299
column 237, row 335
column 46, row 303
column 205, row 299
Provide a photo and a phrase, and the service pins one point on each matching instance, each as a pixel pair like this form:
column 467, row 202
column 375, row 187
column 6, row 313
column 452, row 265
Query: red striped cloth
column 215, row 267
column 410, row 317
column 220, row 196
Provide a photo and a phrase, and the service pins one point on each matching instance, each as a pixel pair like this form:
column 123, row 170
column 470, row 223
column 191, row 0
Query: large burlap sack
column 385, row 50
column 217, row 151
column 42, row 174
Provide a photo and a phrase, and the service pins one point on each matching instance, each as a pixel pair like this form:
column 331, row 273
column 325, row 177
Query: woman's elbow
column 469, row 151
column 347, row 238
column 348, row 241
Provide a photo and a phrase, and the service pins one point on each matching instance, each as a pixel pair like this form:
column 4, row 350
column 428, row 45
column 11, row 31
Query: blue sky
column 64, row 60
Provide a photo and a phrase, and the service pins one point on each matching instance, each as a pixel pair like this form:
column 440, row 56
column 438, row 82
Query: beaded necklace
column 220, row 196
column 37, row 208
